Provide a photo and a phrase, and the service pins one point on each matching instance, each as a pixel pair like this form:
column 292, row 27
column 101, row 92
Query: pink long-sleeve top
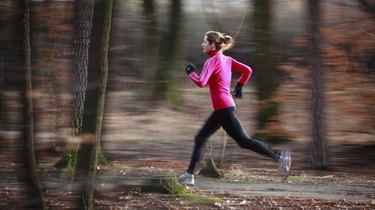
column 217, row 73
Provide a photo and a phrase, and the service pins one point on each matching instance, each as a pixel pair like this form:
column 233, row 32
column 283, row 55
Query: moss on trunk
column 210, row 169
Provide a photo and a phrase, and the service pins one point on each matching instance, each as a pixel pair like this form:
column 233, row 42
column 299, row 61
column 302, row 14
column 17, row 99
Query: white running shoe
column 186, row 179
column 285, row 161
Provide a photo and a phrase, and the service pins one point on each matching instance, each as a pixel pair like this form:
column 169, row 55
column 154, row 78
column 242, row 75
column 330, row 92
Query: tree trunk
column 84, row 12
column 33, row 178
column 93, row 118
column 319, row 153
column 265, row 74
column 163, row 87
column 103, row 68
column 151, row 38
column 83, row 24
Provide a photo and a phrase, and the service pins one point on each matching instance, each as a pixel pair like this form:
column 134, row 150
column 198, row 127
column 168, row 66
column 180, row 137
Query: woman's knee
column 246, row 143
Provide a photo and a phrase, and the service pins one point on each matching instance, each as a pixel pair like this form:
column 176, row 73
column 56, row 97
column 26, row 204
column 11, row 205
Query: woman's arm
column 244, row 69
column 202, row 79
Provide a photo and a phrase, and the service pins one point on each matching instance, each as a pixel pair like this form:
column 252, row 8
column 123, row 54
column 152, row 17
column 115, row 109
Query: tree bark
column 33, row 178
column 93, row 118
column 319, row 153
column 84, row 13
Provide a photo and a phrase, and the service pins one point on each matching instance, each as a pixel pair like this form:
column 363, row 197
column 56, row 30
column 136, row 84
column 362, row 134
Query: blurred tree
column 319, row 150
column 163, row 86
column 2, row 104
column 89, row 149
column 33, row 178
column 368, row 6
column 264, row 58
column 11, row 65
column 264, row 69
column 151, row 35
column 149, row 7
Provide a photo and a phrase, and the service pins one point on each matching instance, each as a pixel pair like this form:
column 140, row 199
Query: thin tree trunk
column 151, row 38
column 36, row 188
column 319, row 153
column 103, row 68
column 89, row 151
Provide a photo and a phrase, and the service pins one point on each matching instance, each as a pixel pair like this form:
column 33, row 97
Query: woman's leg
column 233, row 127
column 211, row 126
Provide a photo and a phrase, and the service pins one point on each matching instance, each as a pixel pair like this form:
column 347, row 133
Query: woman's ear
column 212, row 45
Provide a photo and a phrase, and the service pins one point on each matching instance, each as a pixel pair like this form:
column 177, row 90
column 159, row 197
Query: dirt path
column 329, row 191
column 259, row 188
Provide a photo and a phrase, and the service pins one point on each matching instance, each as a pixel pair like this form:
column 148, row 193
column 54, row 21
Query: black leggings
column 231, row 124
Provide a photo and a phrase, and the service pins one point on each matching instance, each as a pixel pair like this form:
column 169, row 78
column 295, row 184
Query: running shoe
column 186, row 179
column 285, row 162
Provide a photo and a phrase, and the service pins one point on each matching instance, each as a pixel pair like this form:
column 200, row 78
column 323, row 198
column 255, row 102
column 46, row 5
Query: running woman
column 217, row 73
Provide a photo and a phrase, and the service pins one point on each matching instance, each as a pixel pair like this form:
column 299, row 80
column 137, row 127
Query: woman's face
column 207, row 47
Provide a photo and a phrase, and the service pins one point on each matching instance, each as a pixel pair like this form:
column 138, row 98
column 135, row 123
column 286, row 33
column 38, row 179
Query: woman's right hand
column 190, row 68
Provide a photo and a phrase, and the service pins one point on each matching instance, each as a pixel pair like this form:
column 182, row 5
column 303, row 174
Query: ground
column 239, row 189
column 250, row 181
column 245, row 185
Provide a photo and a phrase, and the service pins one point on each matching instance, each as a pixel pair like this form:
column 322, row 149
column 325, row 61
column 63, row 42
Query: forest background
column 108, row 77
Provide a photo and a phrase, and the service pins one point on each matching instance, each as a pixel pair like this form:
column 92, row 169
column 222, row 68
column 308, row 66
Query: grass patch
column 168, row 185
column 200, row 199
column 173, row 187
column 102, row 160
column 298, row 178
column 68, row 159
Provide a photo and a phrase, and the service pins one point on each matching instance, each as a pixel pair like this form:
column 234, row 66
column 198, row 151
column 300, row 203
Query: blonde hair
column 221, row 41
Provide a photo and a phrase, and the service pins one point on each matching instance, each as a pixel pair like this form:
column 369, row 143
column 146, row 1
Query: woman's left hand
column 238, row 91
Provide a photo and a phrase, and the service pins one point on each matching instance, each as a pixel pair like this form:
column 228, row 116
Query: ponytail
column 228, row 41
column 222, row 41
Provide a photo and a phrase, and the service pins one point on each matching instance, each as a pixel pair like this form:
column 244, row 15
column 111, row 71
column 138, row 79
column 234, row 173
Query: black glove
column 238, row 90
column 190, row 68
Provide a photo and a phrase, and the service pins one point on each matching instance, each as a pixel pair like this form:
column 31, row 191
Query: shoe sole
column 187, row 184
